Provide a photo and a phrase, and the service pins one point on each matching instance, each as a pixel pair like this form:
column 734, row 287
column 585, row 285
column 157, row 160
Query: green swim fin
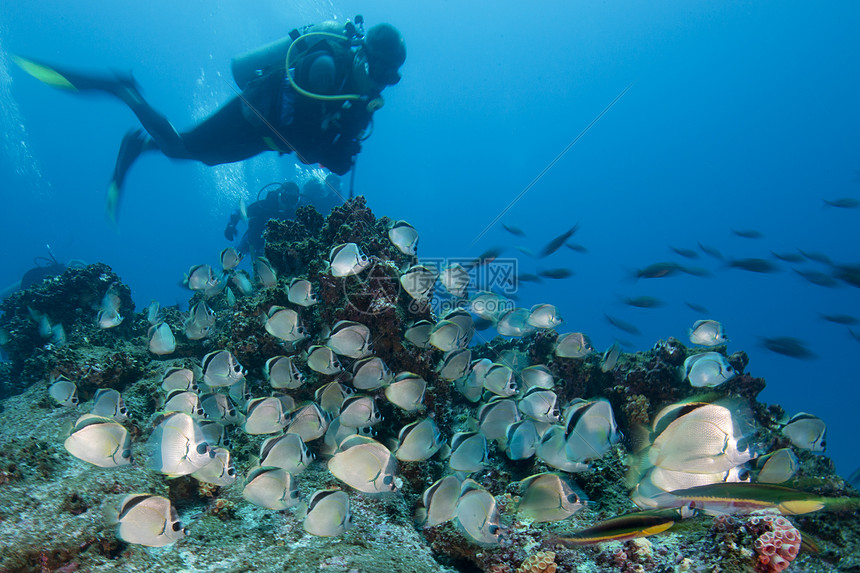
column 112, row 82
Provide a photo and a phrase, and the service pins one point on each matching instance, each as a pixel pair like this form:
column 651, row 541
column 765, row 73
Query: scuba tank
column 260, row 61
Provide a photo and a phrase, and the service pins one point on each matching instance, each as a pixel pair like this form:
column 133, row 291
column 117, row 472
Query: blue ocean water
column 738, row 116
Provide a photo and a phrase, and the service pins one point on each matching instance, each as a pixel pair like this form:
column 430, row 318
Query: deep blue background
column 741, row 115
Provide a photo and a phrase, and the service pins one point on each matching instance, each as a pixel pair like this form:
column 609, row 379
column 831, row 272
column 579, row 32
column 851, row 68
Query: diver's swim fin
column 113, row 82
column 133, row 144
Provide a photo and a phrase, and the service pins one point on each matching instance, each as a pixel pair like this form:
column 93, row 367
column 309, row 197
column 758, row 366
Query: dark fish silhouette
column 817, row 257
column 485, row 258
column 754, row 265
column 621, row 325
column 748, row 233
column 711, row 251
column 848, row 274
column 686, row 253
column 658, row 270
column 642, row 301
column 556, row 243
column 842, row 203
column 529, row 278
column 817, row 277
column 854, row 335
column 516, row 231
column 556, row 273
column 697, row 307
column 788, row 257
column 695, row 271
column 576, row 247
column 846, row 319
column 787, row 346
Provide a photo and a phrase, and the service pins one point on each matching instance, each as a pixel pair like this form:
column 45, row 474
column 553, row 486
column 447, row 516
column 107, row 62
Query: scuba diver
column 280, row 203
column 43, row 268
column 312, row 93
column 324, row 194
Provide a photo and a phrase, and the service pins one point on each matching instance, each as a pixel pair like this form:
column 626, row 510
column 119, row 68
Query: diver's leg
column 225, row 136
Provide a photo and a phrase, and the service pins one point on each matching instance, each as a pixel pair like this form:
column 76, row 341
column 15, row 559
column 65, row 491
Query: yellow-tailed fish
column 328, row 513
column 99, row 441
column 202, row 278
column 272, row 488
column 241, row 281
column 624, row 527
column 337, row 433
column 145, row 519
column 407, row 391
column 743, row 498
column 366, row 465
column 347, row 259
column 215, row 433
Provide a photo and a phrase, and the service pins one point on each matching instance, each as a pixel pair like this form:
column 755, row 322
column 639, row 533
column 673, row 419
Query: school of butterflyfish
column 698, row 454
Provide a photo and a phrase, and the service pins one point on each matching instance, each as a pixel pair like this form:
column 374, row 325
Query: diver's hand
column 230, row 232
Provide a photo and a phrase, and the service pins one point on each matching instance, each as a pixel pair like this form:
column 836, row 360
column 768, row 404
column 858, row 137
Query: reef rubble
column 51, row 504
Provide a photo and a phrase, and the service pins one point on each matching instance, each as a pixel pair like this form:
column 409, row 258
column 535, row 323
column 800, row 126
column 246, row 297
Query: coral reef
column 51, row 503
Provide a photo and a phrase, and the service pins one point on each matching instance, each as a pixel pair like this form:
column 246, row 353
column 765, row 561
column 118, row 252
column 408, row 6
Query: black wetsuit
column 268, row 115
